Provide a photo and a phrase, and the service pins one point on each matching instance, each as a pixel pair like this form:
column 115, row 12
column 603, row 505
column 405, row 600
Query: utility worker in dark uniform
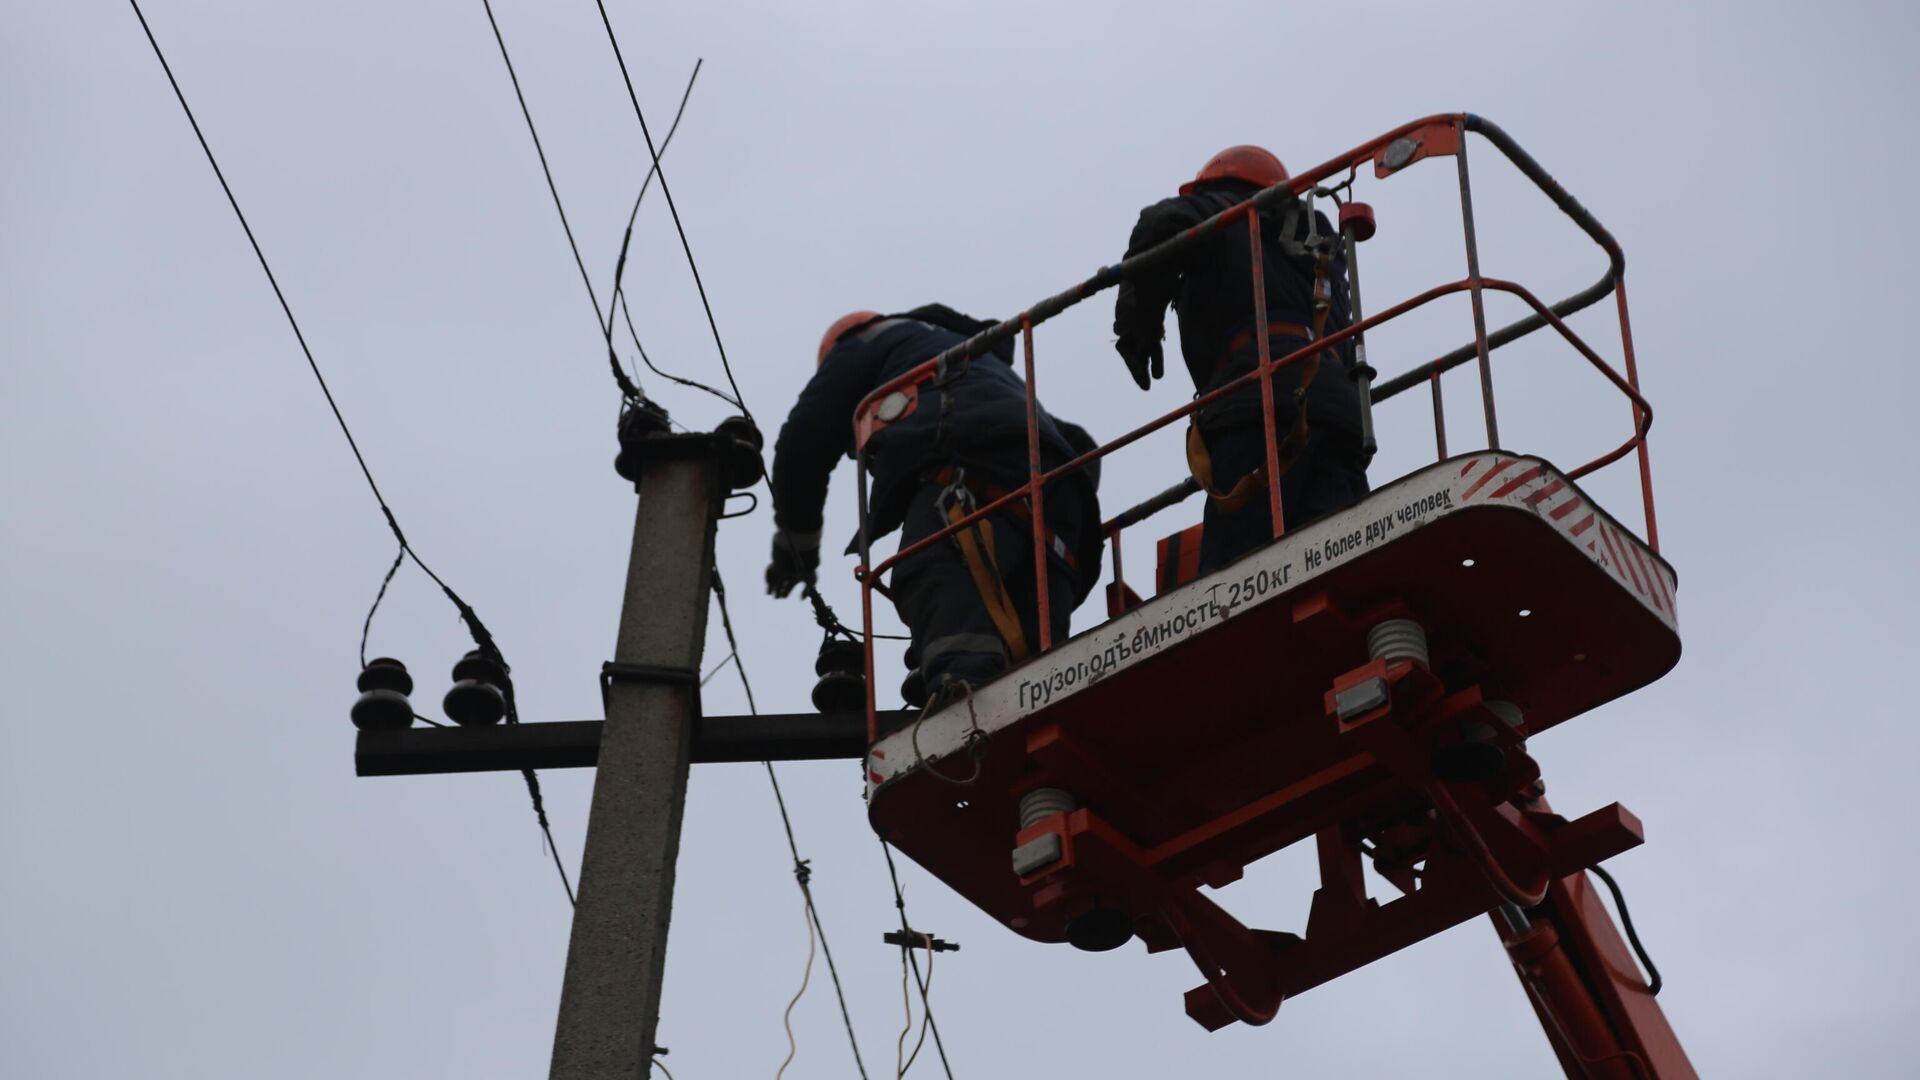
column 1317, row 412
column 970, row 600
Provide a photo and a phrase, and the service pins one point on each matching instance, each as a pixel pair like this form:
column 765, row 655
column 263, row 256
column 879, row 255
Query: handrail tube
column 1191, row 406
column 1643, row 417
column 1108, row 276
column 1585, row 298
column 1291, row 358
column 1479, row 303
column 1146, row 508
column 1043, row 601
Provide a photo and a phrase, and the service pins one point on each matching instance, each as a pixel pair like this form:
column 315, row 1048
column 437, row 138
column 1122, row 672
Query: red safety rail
column 1434, row 136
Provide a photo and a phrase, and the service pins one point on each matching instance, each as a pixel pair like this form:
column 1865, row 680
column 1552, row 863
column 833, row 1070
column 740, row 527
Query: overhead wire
column 629, row 390
column 802, row 870
column 477, row 629
column 666, row 191
column 618, row 293
column 926, row 1003
column 669, row 376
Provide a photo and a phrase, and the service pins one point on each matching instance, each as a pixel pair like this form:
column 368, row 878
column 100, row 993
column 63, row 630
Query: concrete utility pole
column 610, row 1001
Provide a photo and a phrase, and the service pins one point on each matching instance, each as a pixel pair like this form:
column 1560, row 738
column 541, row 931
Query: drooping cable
column 831, row 623
column 1654, row 981
column 802, row 871
column 926, row 1005
column 366, row 627
column 667, row 192
column 478, row 630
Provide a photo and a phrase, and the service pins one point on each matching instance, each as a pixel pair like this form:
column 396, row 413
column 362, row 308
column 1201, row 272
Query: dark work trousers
column 953, row 634
column 1330, row 474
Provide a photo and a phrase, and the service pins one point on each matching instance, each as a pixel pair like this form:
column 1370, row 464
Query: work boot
column 948, row 691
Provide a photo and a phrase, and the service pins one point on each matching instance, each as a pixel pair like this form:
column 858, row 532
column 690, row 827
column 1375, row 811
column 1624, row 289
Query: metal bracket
column 913, row 939
column 613, row 671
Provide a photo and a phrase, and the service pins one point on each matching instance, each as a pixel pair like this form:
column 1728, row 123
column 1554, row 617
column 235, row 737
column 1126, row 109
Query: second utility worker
column 970, row 599
column 1323, row 460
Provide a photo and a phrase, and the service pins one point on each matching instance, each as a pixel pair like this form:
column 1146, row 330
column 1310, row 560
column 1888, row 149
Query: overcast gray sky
column 195, row 884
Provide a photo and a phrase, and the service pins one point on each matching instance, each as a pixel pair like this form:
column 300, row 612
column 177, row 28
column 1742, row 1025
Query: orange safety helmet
column 1249, row 163
column 839, row 329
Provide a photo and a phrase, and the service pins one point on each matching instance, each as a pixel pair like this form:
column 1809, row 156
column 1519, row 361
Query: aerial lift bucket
column 1370, row 680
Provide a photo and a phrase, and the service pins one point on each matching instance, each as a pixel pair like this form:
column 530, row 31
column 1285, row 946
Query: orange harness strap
column 1200, row 463
column 976, row 550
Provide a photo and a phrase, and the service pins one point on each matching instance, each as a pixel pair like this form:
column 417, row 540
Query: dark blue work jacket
column 1211, row 289
column 976, row 418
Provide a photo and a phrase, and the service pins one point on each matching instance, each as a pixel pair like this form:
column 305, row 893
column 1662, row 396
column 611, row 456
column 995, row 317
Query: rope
column 786, row 1018
column 927, row 941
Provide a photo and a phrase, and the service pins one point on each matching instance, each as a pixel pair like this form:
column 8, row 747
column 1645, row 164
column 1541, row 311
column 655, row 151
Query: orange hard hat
column 839, row 329
column 1249, row 163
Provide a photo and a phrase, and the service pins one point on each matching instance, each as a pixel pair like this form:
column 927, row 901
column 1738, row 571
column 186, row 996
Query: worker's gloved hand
column 1145, row 357
column 796, row 561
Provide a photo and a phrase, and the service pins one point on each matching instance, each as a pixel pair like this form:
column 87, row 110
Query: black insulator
column 639, row 421
column 1100, row 929
column 839, row 654
column 479, row 666
column 742, row 457
column 913, row 689
column 471, row 703
column 840, row 692
column 383, row 705
column 382, row 710
column 478, row 696
column 386, row 673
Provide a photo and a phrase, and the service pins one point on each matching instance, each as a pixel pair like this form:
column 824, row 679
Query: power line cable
column 628, row 389
column 926, row 1005
column 618, row 293
column 481, row 636
column 667, row 192
column 802, row 870
column 647, row 360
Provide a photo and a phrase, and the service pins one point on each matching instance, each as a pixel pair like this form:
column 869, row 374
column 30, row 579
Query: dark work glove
column 796, row 561
column 1145, row 357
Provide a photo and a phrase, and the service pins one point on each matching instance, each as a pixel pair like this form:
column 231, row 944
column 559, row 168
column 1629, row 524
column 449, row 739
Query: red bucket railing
column 1433, row 136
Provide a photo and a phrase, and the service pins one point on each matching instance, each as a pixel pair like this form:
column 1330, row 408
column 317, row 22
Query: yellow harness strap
column 976, row 549
column 1200, row 463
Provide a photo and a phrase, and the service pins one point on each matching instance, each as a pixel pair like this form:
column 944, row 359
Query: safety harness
column 961, row 495
column 1199, row 462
